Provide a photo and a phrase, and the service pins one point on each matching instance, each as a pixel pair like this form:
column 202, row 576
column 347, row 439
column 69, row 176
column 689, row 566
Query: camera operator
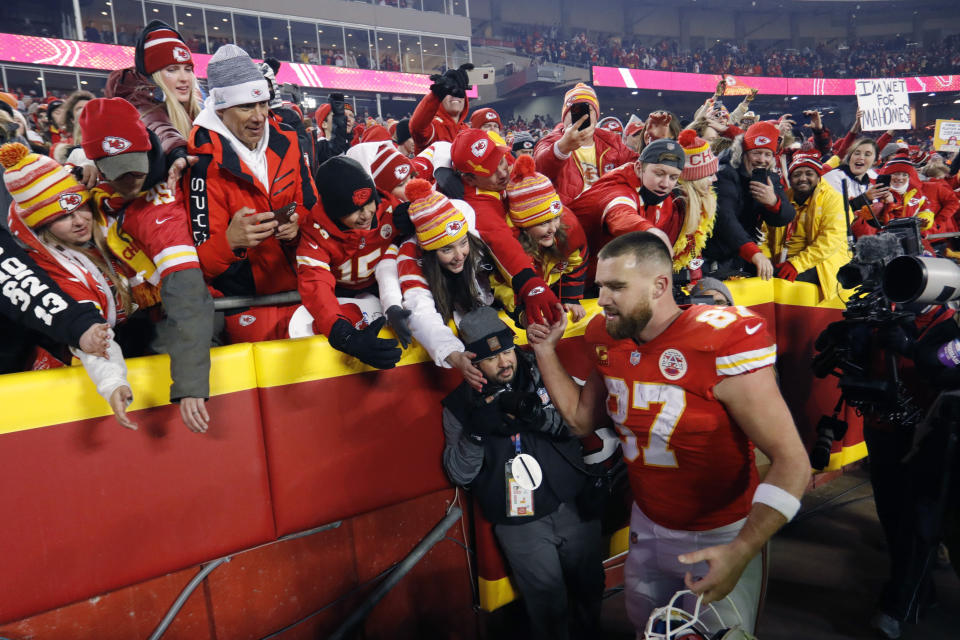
column 894, row 360
column 906, row 487
column 511, row 447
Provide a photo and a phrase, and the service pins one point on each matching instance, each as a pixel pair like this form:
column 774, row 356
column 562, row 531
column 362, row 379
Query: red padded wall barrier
column 90, row 506
column 346, row 445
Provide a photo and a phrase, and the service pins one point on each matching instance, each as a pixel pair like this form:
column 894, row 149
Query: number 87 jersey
column 691, row 467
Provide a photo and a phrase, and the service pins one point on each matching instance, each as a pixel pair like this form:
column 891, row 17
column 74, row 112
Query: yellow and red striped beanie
column 531, row 197
column 580, row 93
column 42, row 189
column 437, row 221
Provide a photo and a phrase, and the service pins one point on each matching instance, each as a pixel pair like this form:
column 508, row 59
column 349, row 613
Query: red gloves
column 539, row 302
column 786, row 271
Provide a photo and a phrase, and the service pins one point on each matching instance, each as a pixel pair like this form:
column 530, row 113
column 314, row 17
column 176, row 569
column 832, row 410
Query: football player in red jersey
column 690, row 391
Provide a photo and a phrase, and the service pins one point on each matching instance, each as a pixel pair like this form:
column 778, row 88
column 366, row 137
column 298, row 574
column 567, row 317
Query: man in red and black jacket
column 249, row 167
column 442, row 113
column 484, row 168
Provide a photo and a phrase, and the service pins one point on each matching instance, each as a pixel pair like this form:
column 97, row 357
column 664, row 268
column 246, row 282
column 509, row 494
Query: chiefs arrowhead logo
column 256, row 93
column 362, row 196
column 762, row 140
column 555, row 206
column 112, row 145
column 402, row 171
column 70, row 201
column 180, row 54
column 385, row 231
column 479, row 148
column 454, row 227
column 491, row 115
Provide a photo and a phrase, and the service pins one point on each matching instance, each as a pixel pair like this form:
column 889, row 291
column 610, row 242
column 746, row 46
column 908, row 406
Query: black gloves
column 336, row 104
column 401, row 221
column 526, row 409
column 454, row 82
column 398, row 321
column 364, row 345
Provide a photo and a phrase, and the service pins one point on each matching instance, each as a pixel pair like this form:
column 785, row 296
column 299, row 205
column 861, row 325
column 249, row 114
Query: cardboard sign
column 946, row 136
column 885, row 104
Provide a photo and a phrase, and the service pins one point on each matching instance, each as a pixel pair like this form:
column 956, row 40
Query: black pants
column 908, row 506
column 557, row 564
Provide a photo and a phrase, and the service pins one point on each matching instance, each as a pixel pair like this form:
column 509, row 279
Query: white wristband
column 776, row 498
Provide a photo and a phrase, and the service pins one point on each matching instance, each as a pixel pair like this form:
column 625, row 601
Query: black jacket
column 34, row 309
column 337, row 144
column 739, row 217
column 479, row 462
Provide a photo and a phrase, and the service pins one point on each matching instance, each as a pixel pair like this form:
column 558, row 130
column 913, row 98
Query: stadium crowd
column 129, row 214
column 864, row 58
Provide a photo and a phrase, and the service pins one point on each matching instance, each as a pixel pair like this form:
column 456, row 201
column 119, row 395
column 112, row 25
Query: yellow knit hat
column 531, row 197
column 580, row 93
column 42, row 188
column 437, row 221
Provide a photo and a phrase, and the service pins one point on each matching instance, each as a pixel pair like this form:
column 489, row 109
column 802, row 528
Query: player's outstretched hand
column 546, row 336
column 726, row 562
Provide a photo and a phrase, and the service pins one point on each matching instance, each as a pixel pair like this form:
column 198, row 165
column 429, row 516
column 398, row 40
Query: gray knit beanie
column 234, row 79
column 484, row 333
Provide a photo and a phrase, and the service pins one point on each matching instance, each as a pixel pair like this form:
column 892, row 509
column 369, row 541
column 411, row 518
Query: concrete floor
column 826, row 571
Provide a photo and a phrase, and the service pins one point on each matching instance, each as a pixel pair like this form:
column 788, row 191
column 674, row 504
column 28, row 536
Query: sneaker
column 888, row 626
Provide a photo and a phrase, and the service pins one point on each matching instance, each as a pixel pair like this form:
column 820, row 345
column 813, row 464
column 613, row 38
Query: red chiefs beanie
column 389, row 167
column 114, row 137
column 160, row 45
column 481, row 117
column 762, row 135
column 376, row 133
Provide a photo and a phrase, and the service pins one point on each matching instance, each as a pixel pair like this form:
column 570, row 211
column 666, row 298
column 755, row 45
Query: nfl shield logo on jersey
column 635, row 358
column 673, row 365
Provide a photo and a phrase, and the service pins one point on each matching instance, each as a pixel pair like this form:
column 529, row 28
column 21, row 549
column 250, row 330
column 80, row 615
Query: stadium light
column 925, row 104
column 931, row 94
column 633, row 93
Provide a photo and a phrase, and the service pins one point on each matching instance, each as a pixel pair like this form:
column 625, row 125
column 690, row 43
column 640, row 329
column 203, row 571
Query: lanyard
column 516, row 443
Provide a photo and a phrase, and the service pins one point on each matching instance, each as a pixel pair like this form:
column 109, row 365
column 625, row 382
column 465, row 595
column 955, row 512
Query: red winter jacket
column 944, row 203
column 220, row 184
column 329, row 257
column 564, row 172
column 431, row 123
column 613, row 207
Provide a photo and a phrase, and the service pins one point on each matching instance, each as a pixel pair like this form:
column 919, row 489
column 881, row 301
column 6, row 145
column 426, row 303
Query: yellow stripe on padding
column 42, row 398
column 281, row 362
column 620, row 542
column 495, row 593
column 748, row 292
column 804, row 294
column 847, row 455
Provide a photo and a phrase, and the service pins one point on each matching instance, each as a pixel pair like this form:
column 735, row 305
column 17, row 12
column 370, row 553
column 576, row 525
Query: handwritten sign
column 885, row 104
column 946, row 136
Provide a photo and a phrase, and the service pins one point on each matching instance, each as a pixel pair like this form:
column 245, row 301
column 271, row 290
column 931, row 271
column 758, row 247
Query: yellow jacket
column 819, row 237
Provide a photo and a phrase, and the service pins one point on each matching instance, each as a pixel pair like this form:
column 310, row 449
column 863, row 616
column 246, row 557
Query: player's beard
column 629, row 325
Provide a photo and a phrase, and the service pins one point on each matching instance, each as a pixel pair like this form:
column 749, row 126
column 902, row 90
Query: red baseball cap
column 478, row 152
